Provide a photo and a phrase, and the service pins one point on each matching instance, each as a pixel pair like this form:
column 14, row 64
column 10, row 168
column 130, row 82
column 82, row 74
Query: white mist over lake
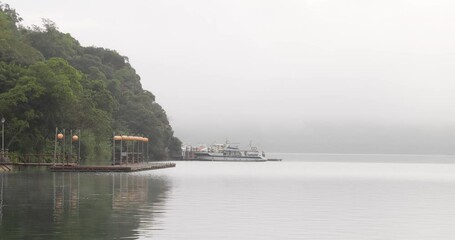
column 377, row 74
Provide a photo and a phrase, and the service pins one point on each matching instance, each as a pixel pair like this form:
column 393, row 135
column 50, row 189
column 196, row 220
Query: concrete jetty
column 113, row 168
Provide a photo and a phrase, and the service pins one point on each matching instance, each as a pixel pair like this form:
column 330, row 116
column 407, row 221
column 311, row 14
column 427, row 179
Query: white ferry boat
column 229, row 152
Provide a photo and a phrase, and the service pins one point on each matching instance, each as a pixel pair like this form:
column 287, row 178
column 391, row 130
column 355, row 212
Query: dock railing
column 47, row 158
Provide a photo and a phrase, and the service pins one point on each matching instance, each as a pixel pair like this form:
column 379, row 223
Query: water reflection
column 43, row 205
column 1, row 197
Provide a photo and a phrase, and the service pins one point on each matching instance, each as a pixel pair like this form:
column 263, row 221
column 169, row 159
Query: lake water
column 306, row 196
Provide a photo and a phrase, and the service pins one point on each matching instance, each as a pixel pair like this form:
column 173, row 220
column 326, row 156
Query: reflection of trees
column 1, row 196
column 79, row 205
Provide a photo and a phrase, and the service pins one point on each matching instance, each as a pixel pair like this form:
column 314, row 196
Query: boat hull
column 221, row 158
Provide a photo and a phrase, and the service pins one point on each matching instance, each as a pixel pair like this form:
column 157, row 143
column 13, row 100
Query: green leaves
column 48, row 80
column 13, row 48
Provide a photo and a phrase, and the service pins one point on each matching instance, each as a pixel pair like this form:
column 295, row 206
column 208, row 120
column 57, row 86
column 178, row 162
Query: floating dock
column 208, row 160
column 42, row 164
column 113, row 168
column 8, row 167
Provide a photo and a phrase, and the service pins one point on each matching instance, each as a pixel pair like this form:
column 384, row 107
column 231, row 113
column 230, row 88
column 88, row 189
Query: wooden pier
column 37, row 164
column 113, row 168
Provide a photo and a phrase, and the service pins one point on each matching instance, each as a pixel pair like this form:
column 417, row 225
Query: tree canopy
column 48, row 80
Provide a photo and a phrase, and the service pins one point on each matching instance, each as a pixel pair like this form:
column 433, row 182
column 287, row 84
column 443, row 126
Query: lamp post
column 3, row 139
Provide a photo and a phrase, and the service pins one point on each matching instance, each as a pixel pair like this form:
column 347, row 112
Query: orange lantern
column 59, row 136
column 117, row 138
column 146, row 140
column 75, row 138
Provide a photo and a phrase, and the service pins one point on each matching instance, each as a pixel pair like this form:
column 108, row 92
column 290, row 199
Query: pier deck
column 42, row 164
column 113, row 168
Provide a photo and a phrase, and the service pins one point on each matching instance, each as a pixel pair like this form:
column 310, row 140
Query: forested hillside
column 48, row 80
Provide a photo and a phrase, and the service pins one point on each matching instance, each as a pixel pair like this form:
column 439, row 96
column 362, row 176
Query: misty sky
column 304, row 76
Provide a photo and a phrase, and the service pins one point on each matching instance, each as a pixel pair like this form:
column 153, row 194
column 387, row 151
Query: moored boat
column 229, row 152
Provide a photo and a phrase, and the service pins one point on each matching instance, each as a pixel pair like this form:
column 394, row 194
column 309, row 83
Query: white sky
column 287, row 70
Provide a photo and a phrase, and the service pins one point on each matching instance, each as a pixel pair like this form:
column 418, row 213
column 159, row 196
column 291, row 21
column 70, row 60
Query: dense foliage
column 48, row 80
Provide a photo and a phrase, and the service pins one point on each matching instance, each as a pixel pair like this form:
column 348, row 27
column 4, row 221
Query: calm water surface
column 304, row 197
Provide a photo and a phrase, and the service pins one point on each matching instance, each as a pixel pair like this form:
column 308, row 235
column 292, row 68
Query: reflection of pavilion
column 66, row 193
column 66, row 205
column 106, row 206
column 128, row 191
column 1, row 197
column 70, row 189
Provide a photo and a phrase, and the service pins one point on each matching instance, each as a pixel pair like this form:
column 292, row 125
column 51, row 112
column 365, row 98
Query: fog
column 293, row 76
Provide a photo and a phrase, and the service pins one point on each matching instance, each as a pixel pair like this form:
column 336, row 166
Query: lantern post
column 79, row 146
column 121, row 149
column 75, row 138
column 113, row 148
column 71, row 147
column 3, row 139
column 134, row 149
column 126, row 143
column 142, row 149
column 58, row 136
column 55, row 146
column 64, row 146
column 147, row 148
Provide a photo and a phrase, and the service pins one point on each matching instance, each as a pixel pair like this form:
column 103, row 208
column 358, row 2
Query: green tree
column 48, row 80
